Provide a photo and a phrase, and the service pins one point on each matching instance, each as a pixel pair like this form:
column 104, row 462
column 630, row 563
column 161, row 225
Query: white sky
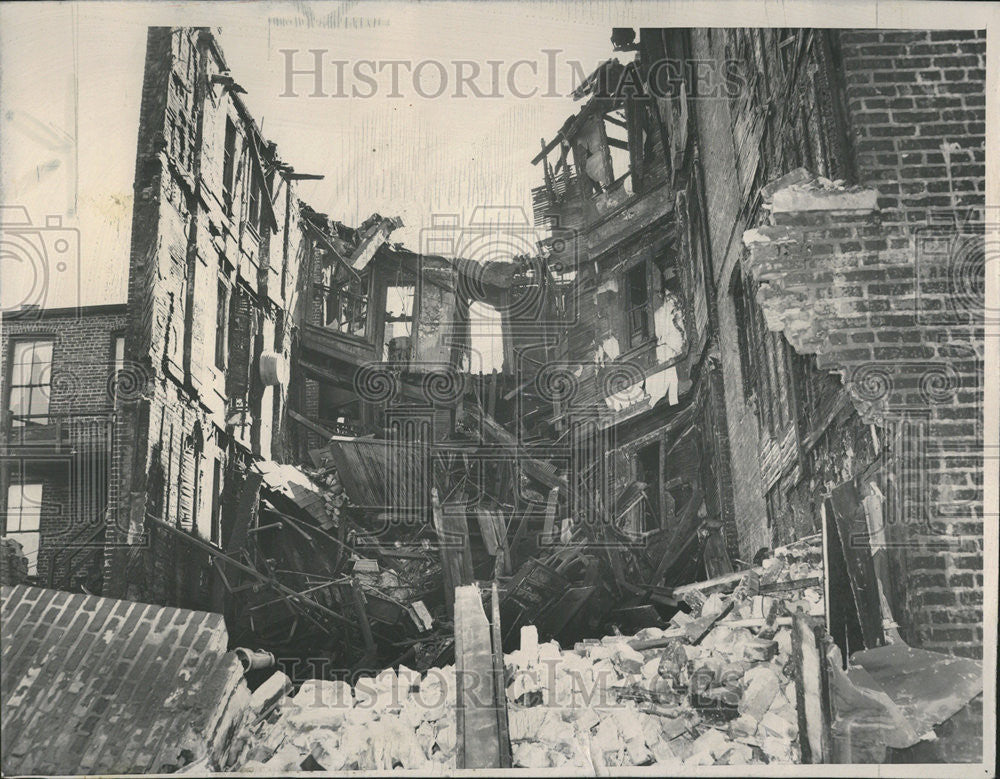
column 72, row 76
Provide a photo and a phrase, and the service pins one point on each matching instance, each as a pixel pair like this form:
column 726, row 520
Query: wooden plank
column 713, row 585
column 488, row 530
column 551, row 505
column 366, row 629
column 308, row 424
column 852, row 526
column 714, row 553
column 246, row 512
column 451, row 550
column 811, row 692
column 499, row 681
column 477, row 731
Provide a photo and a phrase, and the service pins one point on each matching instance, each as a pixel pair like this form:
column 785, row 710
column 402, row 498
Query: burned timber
column 728, row 455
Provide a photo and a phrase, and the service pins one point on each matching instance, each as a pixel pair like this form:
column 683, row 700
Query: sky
column 71, row 78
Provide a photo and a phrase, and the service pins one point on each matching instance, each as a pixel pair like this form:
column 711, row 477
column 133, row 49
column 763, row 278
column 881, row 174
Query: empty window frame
column 229, row 165
column 345, row 307
column 30, row 382
column 398, row 332
column 221, row 324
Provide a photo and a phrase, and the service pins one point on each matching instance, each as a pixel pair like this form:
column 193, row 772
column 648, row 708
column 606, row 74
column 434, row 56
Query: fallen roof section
column 102, row 686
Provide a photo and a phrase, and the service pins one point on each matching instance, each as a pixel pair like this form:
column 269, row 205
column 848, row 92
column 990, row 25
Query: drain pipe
column 254, row 659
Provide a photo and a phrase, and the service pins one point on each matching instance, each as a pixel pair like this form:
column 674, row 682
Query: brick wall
column 74, row 473
column 82, row 355
column 891, row 300
column 98, row 686
column 882, row 284
column 920, row 138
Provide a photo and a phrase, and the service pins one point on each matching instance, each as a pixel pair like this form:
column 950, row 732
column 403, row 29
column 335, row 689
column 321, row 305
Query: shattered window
column 30, row 380
column 23, row 520
column 396, row 339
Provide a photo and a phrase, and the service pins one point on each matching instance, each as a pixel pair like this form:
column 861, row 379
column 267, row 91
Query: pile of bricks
column 396, row 719
column 715, row 686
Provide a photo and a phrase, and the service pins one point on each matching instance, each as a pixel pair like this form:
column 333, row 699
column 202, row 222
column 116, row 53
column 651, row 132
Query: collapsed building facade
column 754, row 317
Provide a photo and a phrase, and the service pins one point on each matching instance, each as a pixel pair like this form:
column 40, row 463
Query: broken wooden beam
column 477, row 730
column 811, row 692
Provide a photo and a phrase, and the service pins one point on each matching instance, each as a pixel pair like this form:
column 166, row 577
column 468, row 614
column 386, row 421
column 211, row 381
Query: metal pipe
column 254, row 659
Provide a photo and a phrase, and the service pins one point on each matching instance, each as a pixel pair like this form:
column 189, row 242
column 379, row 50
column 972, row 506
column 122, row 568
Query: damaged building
column 738, row 400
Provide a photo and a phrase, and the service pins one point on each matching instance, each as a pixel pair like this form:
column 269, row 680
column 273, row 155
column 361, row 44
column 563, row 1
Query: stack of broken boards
column 717, row 687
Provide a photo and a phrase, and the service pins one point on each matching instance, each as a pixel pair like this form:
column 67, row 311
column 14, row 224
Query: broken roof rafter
column 324, row 239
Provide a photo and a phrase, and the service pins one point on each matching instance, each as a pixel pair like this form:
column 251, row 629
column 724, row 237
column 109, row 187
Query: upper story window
column 119, row 353
column 221, row 324
column 23, row 519
column 118, row 361
column 229, row 165
column 253, row 207
column 345, row 306
column 30, row 382
column 637, row 304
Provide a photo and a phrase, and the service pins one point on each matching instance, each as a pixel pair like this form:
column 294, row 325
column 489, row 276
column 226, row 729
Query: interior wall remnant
column 434, row 328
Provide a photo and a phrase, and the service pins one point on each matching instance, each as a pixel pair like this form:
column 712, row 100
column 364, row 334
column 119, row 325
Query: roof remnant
column 122, row 687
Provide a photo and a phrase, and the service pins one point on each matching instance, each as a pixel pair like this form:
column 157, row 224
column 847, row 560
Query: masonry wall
column 204, row 266
column 98, row 686
column 917, row 106
column 880, row 285
column 726, row 221
column 74, row 473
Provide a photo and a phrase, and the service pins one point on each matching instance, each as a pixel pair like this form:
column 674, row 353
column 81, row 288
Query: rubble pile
column 331, row 489
column 398, row 719
column 716, row 686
